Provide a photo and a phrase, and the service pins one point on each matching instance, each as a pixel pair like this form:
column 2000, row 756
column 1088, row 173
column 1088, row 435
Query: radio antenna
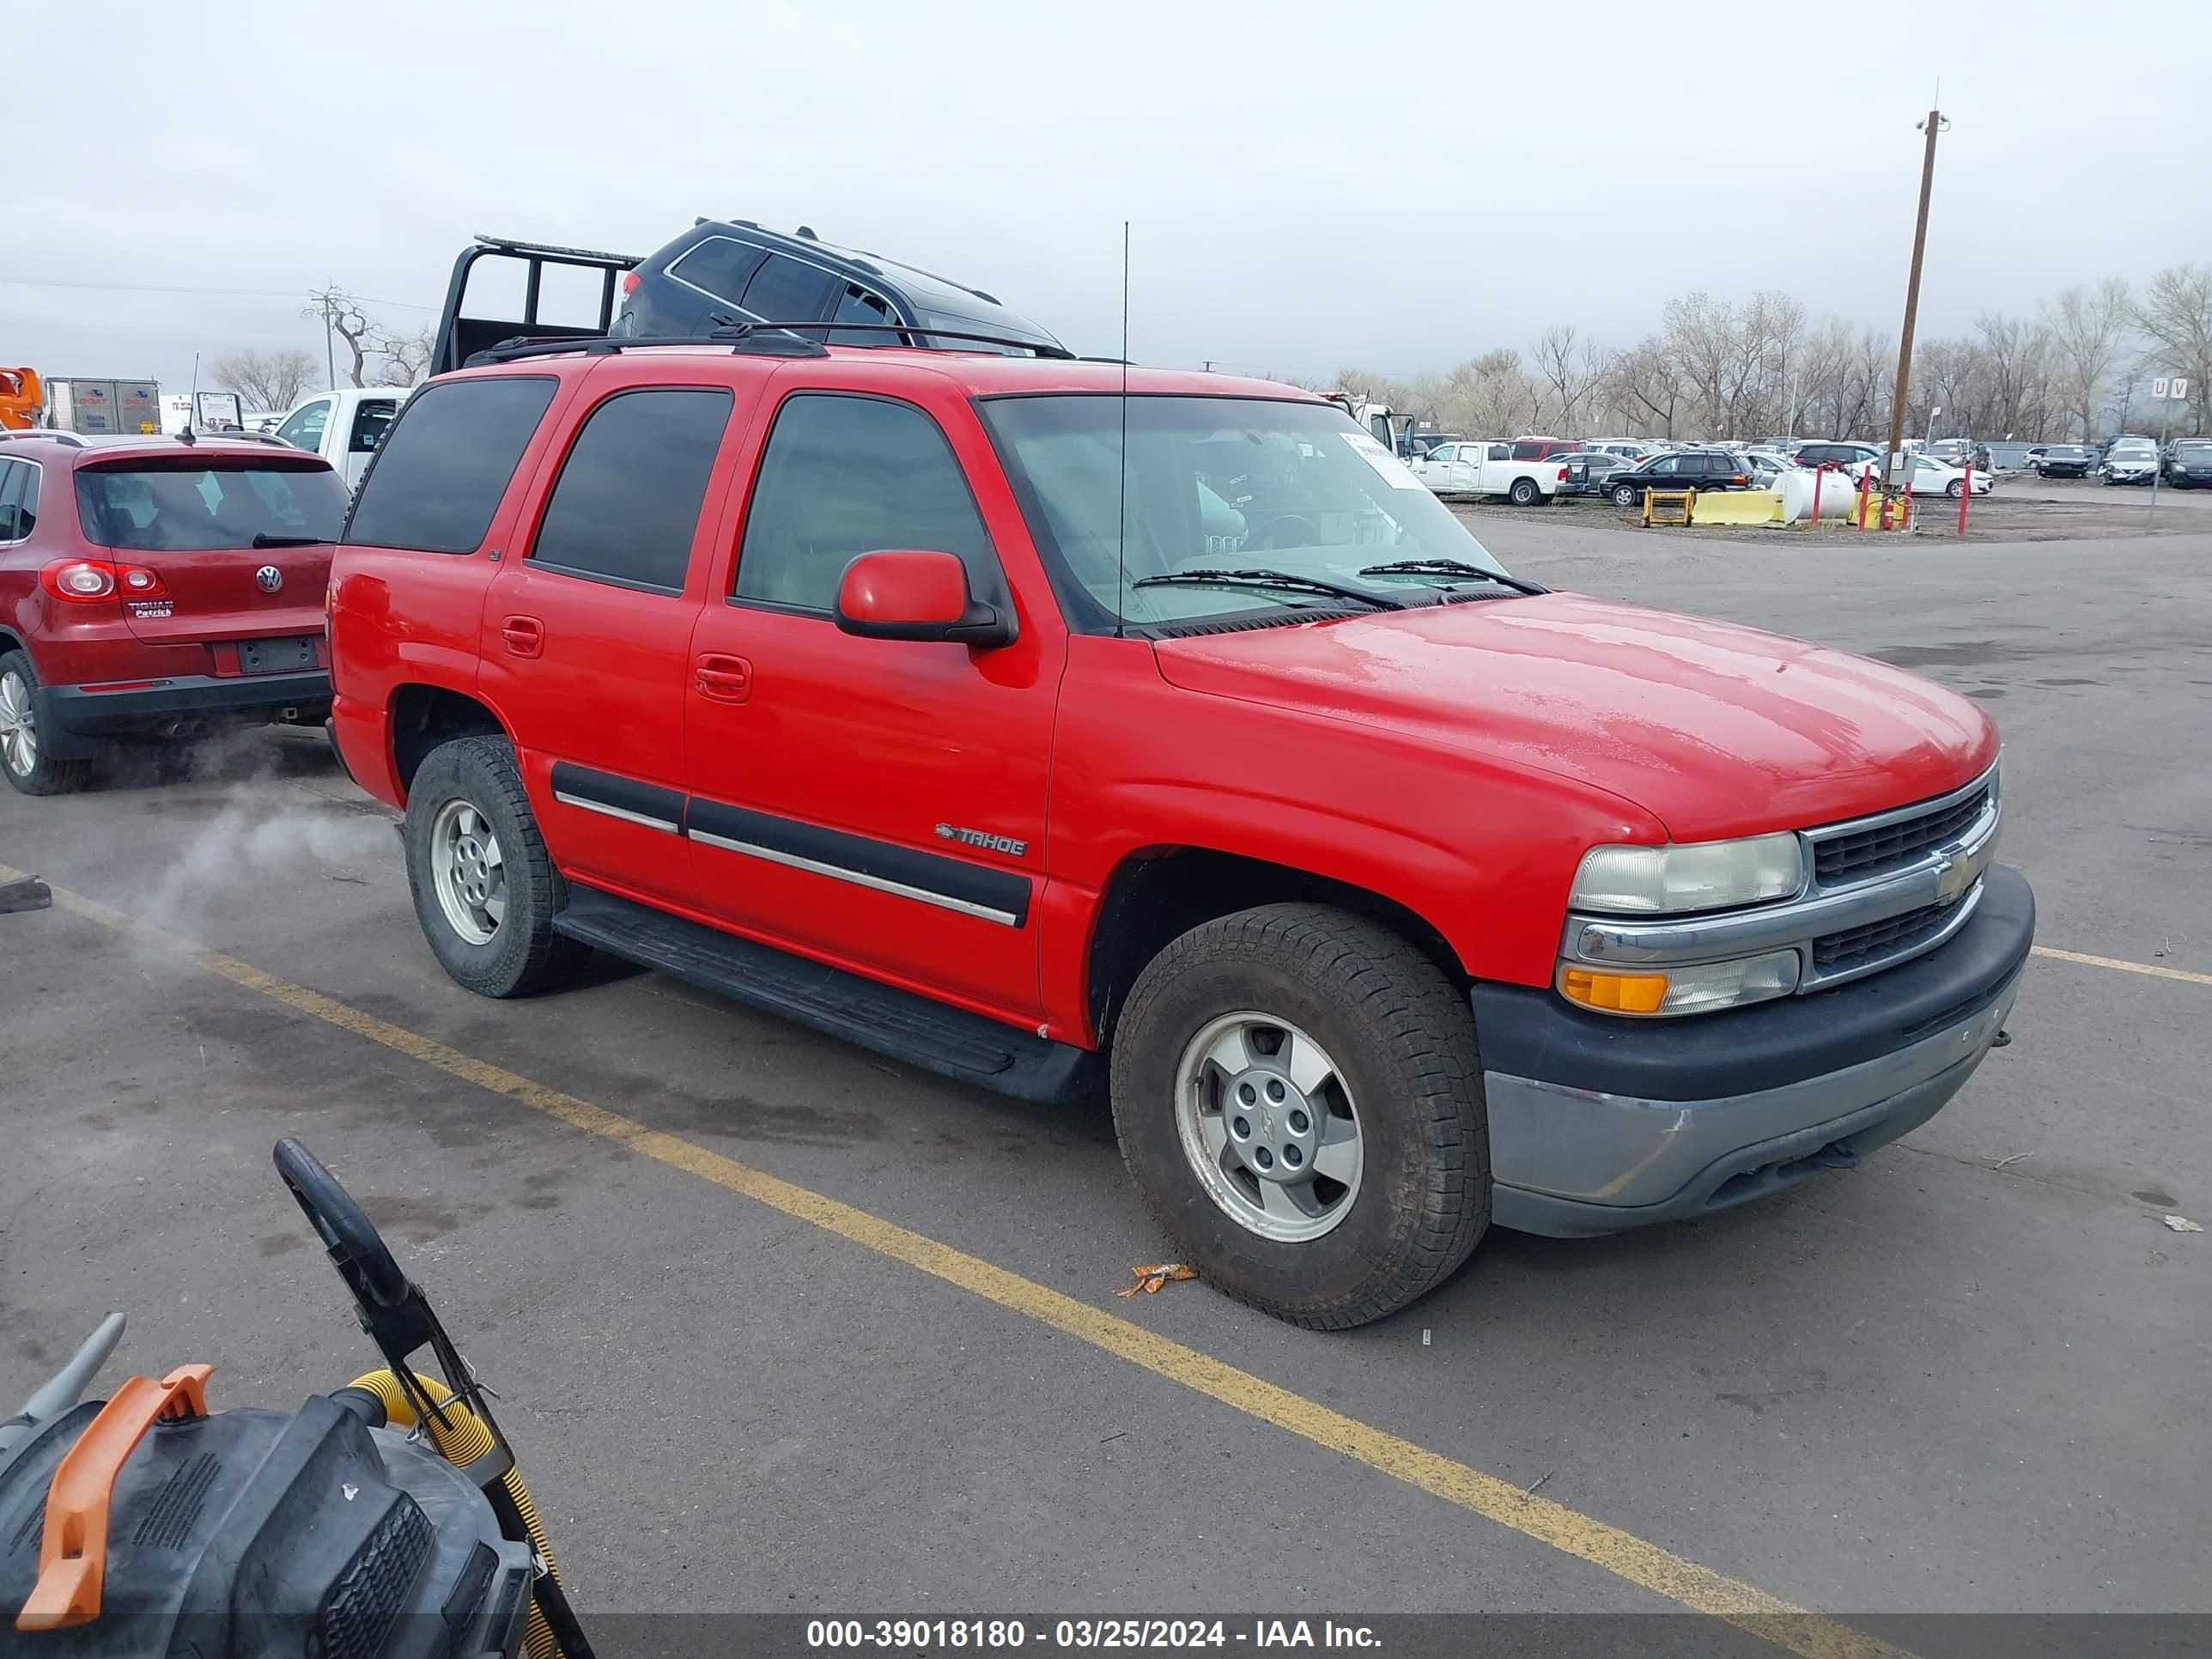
column 1122, row 551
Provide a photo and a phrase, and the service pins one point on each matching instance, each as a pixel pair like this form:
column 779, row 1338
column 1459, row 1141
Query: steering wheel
column 1262, row 535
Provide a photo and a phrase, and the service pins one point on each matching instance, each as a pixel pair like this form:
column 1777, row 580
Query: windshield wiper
column 264, row 539
column 1268, row 579
column 1451, row 568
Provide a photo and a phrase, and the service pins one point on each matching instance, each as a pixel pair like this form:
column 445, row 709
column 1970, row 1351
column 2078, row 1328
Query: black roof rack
column 1040, row 348
column 746, row 339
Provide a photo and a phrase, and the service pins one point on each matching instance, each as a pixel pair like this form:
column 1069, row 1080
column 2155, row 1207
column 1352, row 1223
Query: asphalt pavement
column 1968, row 1376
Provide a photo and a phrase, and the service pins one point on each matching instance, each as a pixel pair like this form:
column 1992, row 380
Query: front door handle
column 724, row 678
column 524, row 636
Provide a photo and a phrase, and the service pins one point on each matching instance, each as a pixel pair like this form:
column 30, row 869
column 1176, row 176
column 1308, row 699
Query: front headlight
column 1701, row 988
column 1708, row 875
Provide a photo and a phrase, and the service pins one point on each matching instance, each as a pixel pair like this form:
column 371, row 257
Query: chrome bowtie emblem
column 269, row 578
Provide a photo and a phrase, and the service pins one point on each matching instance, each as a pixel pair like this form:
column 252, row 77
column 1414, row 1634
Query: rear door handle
column 524, row 636
column 726, row 679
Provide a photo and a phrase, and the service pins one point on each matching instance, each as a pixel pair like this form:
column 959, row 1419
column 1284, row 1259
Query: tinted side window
column 720, row 266
column 859, row 305
column 445, row 462
column 847, row 476
column 12, row 527
column 1501, row 451
column 785, row 291
column 1528, row 452
column 371, row 421
column 627, row 499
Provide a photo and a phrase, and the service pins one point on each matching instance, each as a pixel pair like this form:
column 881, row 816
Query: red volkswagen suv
column 156, row 588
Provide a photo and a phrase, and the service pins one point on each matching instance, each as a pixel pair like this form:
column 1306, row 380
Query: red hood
column 1716, row 730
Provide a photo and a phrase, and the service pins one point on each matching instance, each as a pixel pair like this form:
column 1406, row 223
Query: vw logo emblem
column 269, row 578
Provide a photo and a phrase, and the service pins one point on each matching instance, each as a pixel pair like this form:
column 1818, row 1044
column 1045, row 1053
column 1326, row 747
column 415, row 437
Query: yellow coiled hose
column 461, row 1441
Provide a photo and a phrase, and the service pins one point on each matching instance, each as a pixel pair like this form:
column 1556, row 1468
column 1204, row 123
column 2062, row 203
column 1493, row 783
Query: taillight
column 92, row 581
column 79, row 581
column 1563, row 475
column 629, row 284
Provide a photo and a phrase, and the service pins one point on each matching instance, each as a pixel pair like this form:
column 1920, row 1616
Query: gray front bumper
column 1574, row 1164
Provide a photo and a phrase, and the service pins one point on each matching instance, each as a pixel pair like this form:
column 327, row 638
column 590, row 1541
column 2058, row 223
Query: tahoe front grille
column 1854, row 947
column 1864, row 854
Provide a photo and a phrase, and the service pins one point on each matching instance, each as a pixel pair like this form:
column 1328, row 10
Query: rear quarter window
column 440, row 472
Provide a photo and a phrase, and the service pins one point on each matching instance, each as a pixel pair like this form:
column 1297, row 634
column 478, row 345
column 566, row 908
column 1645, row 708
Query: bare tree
column 2175, row 314
column 2088, row 327
column 265, row 380
column 1650, row 380
column 406, row 357
column 1570, row 366
column 343, row 315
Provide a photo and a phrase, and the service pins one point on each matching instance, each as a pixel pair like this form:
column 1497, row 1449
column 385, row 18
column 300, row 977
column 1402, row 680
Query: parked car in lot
column 1958, row 452
column 1388, row 894
column 2130, row 461
column 1853, row 457
column 344, row 426
column 1536, row 448
column 156, row 588
column 2065, row 461
column 2189, row 464
column 1486, row 470
column 1687, row 469
column 1590, row 471
column 1634, row 449
column 1930, row 476
column 731, row 271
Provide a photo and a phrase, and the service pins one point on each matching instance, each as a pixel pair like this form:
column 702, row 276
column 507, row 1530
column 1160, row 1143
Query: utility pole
column 1933, row 125
column 330, row 344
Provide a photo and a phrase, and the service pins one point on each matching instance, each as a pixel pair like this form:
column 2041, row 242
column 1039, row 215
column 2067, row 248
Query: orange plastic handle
column 73, row 1554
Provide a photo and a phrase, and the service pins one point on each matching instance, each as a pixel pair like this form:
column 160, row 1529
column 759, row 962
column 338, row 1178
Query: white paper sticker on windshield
column 1393, row 470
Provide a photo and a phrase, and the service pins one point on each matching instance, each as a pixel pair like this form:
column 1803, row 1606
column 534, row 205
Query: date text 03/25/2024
column 927, row 1634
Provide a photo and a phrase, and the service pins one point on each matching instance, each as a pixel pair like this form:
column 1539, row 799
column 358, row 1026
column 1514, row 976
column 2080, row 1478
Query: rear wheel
column 23, row 757
column 1298, row 1095
column 1524, row 492
column 485, row 889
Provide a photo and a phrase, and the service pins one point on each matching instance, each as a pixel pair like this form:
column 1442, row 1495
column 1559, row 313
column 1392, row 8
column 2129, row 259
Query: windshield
column 197, row 508
column 2194, row 454
column 1220, row 484
column 2132, row 448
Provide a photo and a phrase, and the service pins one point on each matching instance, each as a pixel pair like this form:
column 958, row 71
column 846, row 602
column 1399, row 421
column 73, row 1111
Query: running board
column 950, row 1042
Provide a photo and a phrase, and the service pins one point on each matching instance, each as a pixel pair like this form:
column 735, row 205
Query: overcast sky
column 1311, row 183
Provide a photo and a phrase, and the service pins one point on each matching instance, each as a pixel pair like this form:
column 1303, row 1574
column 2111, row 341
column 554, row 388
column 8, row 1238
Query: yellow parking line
column 1699, row 1589
column 2124, row 965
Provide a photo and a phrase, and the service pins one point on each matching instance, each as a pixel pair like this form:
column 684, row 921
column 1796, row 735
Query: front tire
column 29, row 766
column 1298, row 1093
column 1954, row 488
column 485, row 889
column 1624, row 496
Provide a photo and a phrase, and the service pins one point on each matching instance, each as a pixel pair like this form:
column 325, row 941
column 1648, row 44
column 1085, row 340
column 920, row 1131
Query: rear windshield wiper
column 1268, row 579
column 264, row 539
column 1451, row 568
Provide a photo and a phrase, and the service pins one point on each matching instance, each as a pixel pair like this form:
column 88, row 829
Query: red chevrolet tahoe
column 1047, row 725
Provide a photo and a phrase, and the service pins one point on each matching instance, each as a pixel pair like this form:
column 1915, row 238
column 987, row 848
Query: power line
column 152, row 288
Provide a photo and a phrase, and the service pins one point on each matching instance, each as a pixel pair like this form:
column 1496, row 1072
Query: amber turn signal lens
column 1619, row 993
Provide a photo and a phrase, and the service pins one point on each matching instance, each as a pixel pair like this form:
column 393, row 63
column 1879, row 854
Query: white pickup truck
column 344, row 426
column 1476, row 467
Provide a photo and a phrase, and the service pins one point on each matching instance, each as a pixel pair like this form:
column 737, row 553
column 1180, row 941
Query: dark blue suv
column 723, row 271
